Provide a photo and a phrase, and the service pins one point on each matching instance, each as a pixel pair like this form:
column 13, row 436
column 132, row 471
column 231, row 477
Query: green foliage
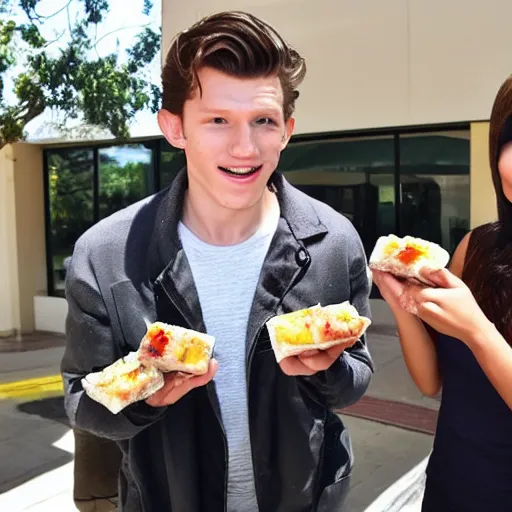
column 71, row 196
column 70, row 175
column 105, row 91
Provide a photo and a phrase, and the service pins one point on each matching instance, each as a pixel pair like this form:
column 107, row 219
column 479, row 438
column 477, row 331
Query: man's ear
column 288, row 127
column 172, row 128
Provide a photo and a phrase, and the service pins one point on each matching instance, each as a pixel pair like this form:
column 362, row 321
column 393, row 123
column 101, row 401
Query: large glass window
column 355, row 176
column 71, row 209
column 434, row 186
column 407, row 184
column 125, row 176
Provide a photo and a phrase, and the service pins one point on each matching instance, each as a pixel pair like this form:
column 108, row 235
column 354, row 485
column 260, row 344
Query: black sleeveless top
column 471, row 462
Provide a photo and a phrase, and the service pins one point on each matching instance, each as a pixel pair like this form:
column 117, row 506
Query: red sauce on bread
column 409, row 255
column 158, row 342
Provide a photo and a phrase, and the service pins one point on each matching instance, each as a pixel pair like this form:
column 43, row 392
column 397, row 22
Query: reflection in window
column 434, row 181
column 353, row 176
column 172, row 160
column 125, row 176
column 70, row 182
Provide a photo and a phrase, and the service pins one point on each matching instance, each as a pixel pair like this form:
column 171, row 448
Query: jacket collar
column 165, row 243
column 297, row 209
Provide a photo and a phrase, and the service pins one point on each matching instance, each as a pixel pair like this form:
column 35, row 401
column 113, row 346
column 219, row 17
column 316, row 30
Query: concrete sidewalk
column 36, row 441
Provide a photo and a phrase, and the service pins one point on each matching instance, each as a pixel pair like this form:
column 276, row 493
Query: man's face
column 232, row 135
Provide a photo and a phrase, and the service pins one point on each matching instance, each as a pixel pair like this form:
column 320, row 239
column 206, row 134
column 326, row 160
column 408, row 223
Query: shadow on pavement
column 51, row 408
column 28, row 432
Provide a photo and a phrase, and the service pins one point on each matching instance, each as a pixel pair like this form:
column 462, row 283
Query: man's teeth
column 240, row 170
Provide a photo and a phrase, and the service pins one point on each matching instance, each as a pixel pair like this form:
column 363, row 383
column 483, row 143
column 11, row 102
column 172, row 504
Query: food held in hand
column 406, row 257
column 316, row 327
column 122, row 383
column 173, row 348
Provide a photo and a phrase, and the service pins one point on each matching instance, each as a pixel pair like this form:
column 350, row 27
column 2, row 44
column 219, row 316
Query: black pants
column 96, row 471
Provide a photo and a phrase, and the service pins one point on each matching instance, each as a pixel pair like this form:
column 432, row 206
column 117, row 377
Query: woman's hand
column 392, row 291
column 450, row 308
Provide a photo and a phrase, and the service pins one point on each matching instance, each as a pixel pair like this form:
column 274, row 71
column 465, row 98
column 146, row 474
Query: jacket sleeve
column 346, row 381
column 91, row 346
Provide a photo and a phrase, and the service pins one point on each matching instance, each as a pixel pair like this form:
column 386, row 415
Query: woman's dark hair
column 488, row 265
column 236, row 43
column 500, row 132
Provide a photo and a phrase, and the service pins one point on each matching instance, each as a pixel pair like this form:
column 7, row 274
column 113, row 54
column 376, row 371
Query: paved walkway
column 391, row 431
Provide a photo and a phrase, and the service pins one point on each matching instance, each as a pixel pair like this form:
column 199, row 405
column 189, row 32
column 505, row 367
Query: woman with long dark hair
column 460, row 342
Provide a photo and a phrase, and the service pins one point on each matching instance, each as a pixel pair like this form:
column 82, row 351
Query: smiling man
column 229, row 245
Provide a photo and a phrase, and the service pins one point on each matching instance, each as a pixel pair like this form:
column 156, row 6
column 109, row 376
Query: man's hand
column 311, row 362
column 177, row 386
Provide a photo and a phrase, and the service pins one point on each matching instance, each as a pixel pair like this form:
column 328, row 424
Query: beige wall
column 483, row 199
column 22, row 243
column 379, row 64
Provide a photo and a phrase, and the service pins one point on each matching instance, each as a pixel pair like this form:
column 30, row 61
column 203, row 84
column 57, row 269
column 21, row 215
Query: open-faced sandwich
column 316, row 327
column 406, row 257
column 122, row 383
column 175, row 349
column 164, row 348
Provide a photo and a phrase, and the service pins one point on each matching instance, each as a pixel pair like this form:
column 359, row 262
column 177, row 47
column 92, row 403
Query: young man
column 227, row 247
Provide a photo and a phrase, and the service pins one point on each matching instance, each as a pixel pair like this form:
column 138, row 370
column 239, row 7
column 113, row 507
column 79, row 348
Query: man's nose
column 243, row 144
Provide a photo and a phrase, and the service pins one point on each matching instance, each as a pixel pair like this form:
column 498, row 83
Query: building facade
column 392, row 129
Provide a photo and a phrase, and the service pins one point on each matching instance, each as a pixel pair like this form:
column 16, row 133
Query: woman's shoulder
column 479, row 237
column 459, row 256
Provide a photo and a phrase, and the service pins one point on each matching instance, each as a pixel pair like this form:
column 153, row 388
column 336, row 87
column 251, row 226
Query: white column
column 9, row 304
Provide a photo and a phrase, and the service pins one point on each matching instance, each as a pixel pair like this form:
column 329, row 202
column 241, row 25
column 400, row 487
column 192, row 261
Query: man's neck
column 216, row 225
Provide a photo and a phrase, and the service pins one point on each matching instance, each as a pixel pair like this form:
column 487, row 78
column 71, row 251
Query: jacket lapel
column 169, row 265
column 287, row 260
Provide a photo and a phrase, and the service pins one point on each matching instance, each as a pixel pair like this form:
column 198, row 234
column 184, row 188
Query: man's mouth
column 240, row 171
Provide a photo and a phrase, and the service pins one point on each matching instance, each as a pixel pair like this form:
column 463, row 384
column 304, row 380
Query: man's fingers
column 177, row 385
column 318, row 362
column 199, row 380
column 292, row 366
column 336, row 351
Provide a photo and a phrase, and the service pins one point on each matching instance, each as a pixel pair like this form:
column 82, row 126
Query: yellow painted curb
column 32, row 387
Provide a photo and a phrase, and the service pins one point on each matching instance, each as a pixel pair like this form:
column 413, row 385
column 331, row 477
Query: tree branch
column 69, row 18
column 55, row 40
column 118, row 29
column 42, row 17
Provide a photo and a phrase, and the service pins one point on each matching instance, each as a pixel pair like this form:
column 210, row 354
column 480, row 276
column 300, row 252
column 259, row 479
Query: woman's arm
column 417, row 346
column 452, row 310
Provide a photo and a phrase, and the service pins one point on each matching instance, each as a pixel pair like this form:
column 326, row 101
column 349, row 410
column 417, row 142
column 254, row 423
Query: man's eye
column 266, row 120
column 218, row 120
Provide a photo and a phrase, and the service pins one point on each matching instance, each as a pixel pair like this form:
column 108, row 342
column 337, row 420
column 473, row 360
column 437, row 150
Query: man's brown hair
column 235, row 43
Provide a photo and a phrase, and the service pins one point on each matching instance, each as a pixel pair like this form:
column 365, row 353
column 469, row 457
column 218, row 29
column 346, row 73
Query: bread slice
column 314, row 328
